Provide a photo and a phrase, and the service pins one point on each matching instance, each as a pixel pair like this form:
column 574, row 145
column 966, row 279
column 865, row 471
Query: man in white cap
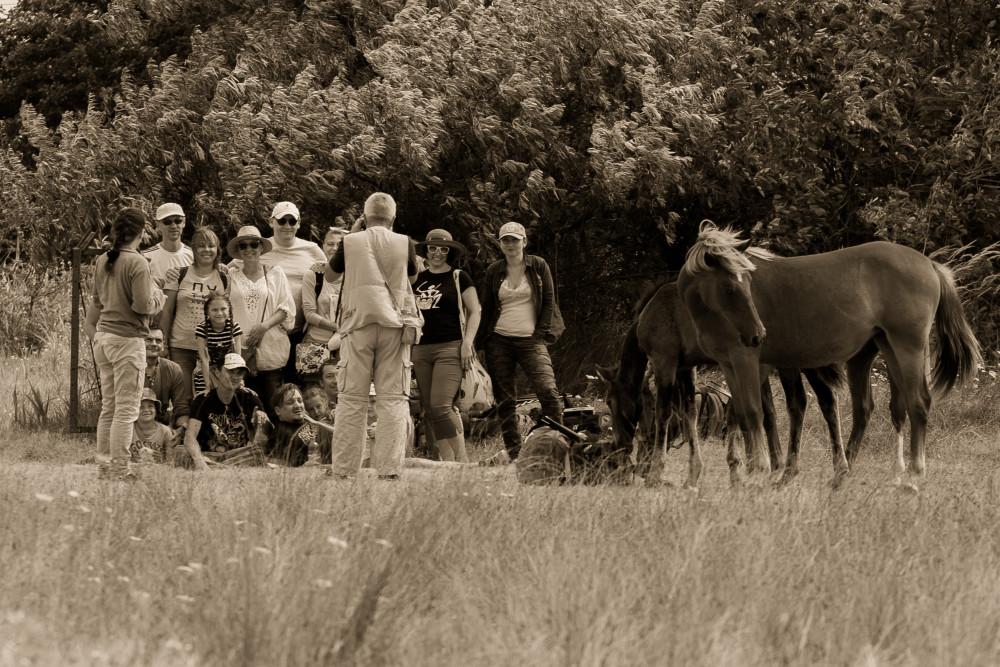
column 226, row 417
column 169, row 252
column 296, row 257
column 379, row 317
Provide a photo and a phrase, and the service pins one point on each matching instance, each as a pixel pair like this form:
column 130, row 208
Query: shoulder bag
column 477, row 385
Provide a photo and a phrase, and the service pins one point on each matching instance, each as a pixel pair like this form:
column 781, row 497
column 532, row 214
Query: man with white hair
column 379, row 323
column 169, row 252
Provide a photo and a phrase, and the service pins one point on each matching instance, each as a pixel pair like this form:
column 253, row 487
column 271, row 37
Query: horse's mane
column 722, row 246
column 648, row 294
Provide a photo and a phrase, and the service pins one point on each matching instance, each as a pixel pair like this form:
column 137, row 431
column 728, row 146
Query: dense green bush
column 610, row 128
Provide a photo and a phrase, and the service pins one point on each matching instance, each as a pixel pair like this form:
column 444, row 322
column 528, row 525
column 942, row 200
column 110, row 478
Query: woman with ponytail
column 124, row 297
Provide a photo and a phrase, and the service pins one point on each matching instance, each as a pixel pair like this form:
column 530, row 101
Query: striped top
column 219, row 343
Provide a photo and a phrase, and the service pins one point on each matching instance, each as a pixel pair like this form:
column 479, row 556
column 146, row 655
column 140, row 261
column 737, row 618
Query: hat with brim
column 148, row 395
column 245, row 233
column 441, row 237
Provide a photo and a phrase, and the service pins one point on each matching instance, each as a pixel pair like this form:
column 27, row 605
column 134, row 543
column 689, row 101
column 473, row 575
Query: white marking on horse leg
column 899, row 467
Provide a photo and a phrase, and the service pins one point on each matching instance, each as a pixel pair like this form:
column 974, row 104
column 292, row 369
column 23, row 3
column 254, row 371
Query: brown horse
column 663, row 334
column 814, row 310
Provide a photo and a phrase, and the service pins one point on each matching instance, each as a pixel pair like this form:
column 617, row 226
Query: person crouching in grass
column 318, row 409
column 150, row 438
column 293, row 438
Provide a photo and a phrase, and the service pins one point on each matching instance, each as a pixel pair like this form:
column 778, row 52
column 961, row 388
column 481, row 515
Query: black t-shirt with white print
column 437, row 300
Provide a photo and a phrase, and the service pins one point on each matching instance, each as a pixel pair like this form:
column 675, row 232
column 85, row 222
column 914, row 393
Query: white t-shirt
column 295, row 262
column 162, row 260
column 189, row 310
column 517, row 312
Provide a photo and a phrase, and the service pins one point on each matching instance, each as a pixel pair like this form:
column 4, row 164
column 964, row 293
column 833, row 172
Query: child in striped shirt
column 216, row 337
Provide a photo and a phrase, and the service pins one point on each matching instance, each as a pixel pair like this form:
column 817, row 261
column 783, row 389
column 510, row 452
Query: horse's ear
column 742, row 247
column 706, row 226
column 607, row 373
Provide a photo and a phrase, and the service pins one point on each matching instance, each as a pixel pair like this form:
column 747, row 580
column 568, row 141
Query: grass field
column 285, row 567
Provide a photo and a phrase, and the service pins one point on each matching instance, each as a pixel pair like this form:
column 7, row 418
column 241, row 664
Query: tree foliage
column 610, row 128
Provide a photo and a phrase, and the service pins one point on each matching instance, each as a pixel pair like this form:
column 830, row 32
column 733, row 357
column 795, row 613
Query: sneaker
column 501, row 458
column 104, row 470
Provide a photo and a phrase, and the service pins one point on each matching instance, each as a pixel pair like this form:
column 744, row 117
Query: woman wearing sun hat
column 520, row 317
column 264, row 308
column 442, row 354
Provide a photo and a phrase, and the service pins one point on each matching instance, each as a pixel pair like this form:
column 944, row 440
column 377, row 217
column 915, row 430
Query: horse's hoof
column 691, row 489
column 908, row 489
column 838, row 480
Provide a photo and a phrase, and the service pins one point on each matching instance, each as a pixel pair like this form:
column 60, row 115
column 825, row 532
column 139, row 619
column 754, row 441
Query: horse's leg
column 795, row 399
column 897, row 412
column 770, row 421
column 829, row 405
column 689, row 425
column 743, row 376
column 905, row 357
column 859, row 370
column 667, row 391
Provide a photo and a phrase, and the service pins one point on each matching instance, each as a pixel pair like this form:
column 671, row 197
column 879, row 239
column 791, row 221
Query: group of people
column 201, row 361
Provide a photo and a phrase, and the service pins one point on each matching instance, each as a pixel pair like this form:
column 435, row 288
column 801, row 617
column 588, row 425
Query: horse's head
column 622, row 405
column 715, row 285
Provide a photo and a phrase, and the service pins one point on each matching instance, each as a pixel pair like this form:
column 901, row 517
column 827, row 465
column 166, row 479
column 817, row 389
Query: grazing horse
column 663, row 335
column 821, row 309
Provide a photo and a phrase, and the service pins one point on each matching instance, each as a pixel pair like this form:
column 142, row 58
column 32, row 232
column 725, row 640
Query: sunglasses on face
column 438, row 248
column 172, row 221
column 246, row 245
column 289, row 221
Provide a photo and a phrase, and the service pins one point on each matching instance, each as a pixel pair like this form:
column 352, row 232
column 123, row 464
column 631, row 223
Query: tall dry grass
column 284, row 567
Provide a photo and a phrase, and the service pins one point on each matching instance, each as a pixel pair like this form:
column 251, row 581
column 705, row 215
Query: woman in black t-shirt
column 443, row 352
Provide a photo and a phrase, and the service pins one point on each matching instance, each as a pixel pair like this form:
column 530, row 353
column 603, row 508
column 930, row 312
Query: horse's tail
column 957, row 356
column 631, row 372
column 832, row 376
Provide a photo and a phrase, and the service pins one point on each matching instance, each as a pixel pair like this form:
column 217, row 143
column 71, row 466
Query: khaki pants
column 372, row 352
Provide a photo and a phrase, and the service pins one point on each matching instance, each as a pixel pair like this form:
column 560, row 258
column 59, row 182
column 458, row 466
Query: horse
column 663, row 335
column 750, row 307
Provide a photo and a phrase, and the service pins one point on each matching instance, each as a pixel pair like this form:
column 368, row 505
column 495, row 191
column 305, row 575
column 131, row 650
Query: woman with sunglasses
column 442, row 355
column 520, row 317
column 265, row 310
column 187, row 288
column 297, row 257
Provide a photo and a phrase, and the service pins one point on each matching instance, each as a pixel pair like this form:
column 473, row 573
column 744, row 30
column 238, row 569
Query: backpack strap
column 320, row 277
column 223, row 276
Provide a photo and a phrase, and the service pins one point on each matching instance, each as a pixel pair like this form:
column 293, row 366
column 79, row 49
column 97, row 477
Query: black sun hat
column 441, row 237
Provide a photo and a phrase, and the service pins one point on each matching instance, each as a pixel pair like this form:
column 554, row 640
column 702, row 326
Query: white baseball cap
column 515, row 229
column 283, row 208
column 233, row 360
column 167, row 210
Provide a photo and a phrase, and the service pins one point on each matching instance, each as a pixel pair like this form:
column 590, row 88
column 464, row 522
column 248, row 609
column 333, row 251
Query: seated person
column 150, row 438
column 228, row 417
column 293, row 440
column 318, row 409
column 166, row 380
column 328, row 381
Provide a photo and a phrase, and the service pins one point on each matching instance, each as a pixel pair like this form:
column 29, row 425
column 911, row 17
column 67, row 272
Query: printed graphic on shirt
column 428, row 296
column 228, row 432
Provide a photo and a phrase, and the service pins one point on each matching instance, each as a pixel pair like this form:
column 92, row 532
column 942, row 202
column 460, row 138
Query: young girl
column 123, row 299
column 216, row 337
